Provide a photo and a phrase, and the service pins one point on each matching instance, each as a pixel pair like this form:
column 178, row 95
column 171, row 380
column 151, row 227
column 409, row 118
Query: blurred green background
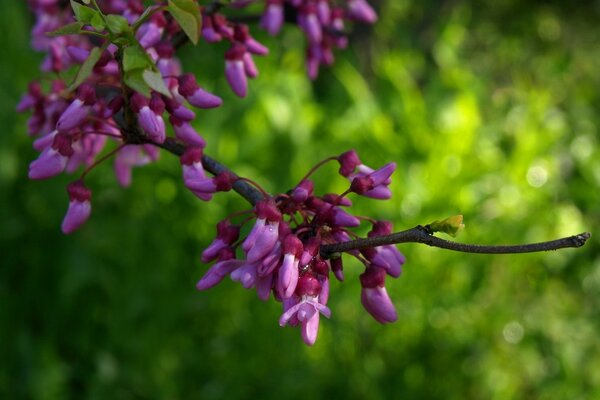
column 490, row 110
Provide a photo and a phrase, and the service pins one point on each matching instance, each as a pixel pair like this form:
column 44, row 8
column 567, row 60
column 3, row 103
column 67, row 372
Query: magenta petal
column 287, row 316
column 48, row 164
column 259, row 225
column 310, row 329
column 203, row 99
column 187, row 134
column 272, row 19
column 379, row 193
column 77, row 214
column 213, row 249
column 378, row 303
column 216, row 273
column 249, row 66
column 382, row 175
column 264, row 242
column 45, row 141
column 153, row 124
column 73, row 116
column 255, row 47
column 236, row 77
column 288, row 276
column 246, row 275
column 263, row 287
column 342, row 218
column 206, row 185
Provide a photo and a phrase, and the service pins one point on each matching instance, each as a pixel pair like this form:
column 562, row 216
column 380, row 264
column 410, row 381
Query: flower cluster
column 281, row 253
column 130, row 81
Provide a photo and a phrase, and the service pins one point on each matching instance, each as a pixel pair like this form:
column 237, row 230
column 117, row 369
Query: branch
column 422, row 234
column 247, row 191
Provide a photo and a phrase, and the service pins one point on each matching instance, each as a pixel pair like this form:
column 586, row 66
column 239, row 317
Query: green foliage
column 491, row 112
column 86, row 68
column 187, row 14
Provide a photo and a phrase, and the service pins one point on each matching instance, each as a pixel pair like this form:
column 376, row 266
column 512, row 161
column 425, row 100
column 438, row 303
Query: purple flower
column 272, row 18
column 79, row 206
column 235, row 70
column 132, row 156
column 374, row 296
column 303, row 191
column 150, row 115
column 242, row 35
column 193, row 171
column 309, row 22
column 288, row 273
column 78, row 109
column 361, row 11
column 372, row 183
column 177, row 110
column 186, row 133
column 225, row 266
column 195, row 95
column 304, row 308
column 53, row 160
column 227, row 234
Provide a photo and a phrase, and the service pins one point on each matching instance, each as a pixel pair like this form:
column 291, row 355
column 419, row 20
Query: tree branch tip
column 581, row 239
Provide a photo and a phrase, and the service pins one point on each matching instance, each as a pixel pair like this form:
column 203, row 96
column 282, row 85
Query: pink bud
column 79, row 206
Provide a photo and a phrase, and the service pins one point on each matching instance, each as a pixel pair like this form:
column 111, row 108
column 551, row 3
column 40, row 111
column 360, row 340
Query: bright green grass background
column 489, row 110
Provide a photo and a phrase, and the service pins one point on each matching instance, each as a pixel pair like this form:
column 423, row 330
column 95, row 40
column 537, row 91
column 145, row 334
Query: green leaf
column 86, row 1
column 86, row 68
column 69, row 29
column 116, row 24
column 187, row 15
column 134, row 57
column 98, row 22
column 154, row 79
column 451, row 225
column 82, row 13
column 135, row 80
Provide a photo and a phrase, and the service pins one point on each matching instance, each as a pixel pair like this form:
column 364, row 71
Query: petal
column 310, row 329
column 77, row 214
column 264, row 243
column 236, row 77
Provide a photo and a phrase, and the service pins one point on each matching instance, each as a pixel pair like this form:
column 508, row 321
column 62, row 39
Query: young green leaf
column 98, row 22
column 134, row 57
column 187, row 15
column 86, row 68
column 70, row 29
column 82, row 13
column 135, row 80
column 116, row 24
column 155, row 81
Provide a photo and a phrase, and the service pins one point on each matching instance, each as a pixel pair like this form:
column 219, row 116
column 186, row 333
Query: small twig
column 421, row 234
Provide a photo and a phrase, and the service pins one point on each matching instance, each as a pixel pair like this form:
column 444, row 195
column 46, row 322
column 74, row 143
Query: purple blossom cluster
column 322, row 22
column 281, row 253
column 73, row 128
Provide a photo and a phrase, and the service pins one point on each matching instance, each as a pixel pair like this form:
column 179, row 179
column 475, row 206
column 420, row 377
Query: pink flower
column 361, row 11
column 195, row 95
column 79, row 206
column 150, row 115
column 53, row 160
column 304, row 308
column 227, row 234
column 133, row 156
column 272, row 18
column 288, row 272
column 235, row 70
column 186, row 133
column 78, row 109
column 193, row 171
column 374, row 296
